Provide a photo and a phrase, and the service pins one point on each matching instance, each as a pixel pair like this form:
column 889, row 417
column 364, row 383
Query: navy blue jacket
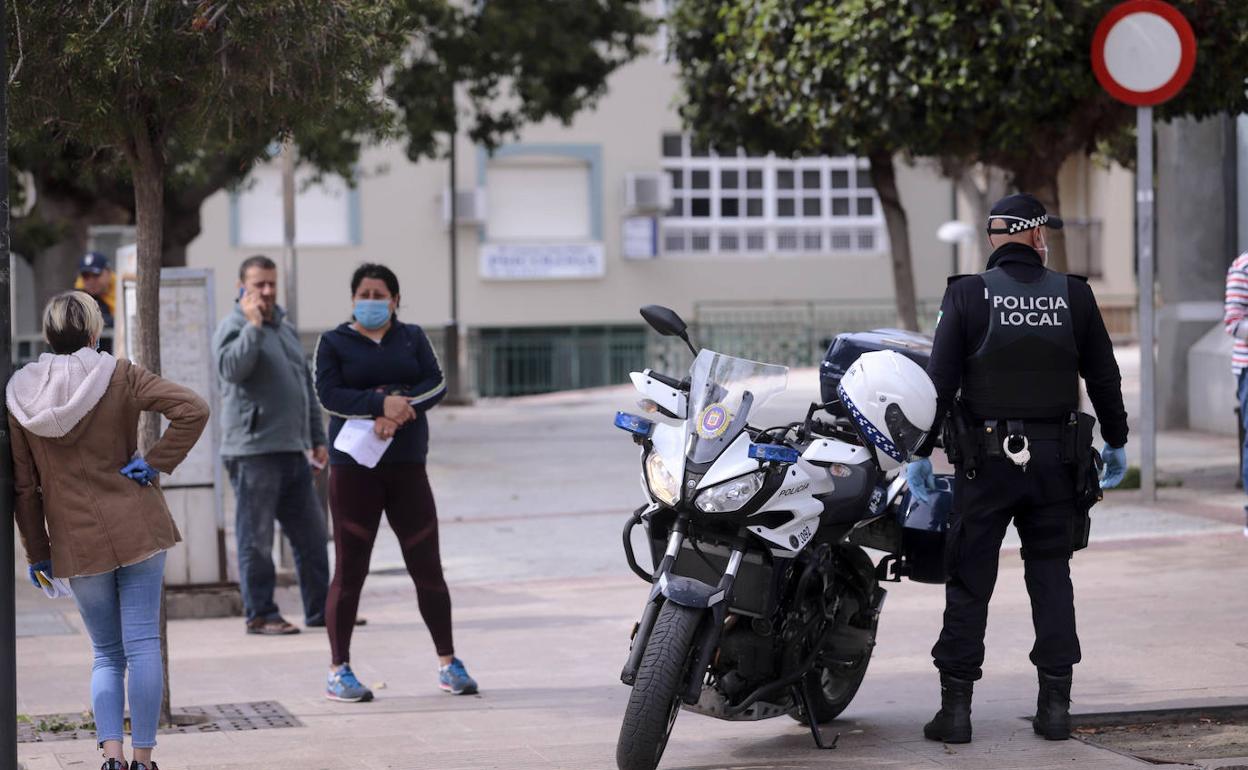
column 354, row 375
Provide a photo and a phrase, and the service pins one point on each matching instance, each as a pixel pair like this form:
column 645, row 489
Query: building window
column 727, row 202
column 326, row 213
column 538, row 198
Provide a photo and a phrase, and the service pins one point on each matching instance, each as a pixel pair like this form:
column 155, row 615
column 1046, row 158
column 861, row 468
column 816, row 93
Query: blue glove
column 44, row 566
column 920, row 479
column 140, row 472
column 1115, row 466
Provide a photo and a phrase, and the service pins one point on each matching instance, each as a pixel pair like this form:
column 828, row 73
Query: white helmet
column 892, row 401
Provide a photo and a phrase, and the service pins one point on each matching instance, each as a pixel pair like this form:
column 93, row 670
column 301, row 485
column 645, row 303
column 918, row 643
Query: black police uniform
column 1015, row 340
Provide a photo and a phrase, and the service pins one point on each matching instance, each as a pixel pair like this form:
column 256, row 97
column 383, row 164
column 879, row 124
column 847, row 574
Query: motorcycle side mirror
column 665, row 321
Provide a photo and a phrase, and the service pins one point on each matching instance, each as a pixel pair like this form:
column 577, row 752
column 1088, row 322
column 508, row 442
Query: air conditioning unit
column 647, row 193
column 469, row 207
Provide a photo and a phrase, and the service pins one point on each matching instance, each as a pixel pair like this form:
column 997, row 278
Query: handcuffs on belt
column 1020, row 456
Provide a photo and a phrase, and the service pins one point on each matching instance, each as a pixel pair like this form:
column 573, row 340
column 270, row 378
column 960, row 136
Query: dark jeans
column 278, row 487
column 1040, row 501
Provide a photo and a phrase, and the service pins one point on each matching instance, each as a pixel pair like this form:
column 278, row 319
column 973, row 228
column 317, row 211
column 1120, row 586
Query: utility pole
column 289, row 267
column 8, row 605
column 451, row 339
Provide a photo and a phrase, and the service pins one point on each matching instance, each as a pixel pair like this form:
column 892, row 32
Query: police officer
column 1014, row 340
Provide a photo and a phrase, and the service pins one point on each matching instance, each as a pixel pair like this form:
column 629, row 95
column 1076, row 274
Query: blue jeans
column 1243, row 418
column 121, row 610
column 278, row 487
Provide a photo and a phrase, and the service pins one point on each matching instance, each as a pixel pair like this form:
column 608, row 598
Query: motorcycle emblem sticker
column 713, row 421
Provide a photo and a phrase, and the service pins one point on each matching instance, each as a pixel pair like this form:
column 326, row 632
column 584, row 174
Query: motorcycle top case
column 847, row 347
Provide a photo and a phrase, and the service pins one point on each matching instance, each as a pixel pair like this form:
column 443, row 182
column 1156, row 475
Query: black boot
column 1053, row 707
column 952, row 724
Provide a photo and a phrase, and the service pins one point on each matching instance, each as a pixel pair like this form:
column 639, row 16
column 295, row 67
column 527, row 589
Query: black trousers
column 1041, row 503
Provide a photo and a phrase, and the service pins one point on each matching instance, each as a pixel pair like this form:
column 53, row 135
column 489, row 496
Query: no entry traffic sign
column 1143, row 52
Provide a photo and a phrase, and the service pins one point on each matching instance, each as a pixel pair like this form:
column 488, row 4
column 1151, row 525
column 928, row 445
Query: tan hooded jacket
column 74, row 423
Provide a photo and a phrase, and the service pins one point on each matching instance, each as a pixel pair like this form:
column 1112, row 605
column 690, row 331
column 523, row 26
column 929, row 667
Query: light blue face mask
column 372, row 313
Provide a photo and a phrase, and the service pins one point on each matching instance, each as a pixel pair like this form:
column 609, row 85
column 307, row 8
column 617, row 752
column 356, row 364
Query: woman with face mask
column 377, row 368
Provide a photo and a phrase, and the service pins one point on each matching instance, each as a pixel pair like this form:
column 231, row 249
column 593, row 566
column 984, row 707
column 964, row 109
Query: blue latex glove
column 44, row 566
column 140, row 472
column 920, row 478
column 1115, row 466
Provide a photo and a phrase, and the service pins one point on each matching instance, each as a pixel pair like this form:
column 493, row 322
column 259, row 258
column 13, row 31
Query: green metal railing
column 793, row 333
column 517, row 362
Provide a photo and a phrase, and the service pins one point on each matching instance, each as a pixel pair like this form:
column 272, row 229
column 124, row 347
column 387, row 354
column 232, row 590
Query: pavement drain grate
column 224, row 717
column 1170, row 735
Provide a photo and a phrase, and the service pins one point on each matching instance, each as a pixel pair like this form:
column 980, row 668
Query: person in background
column 376, row 368
column 274, row 437
column 96, row 278
column 89, row 507
column 1235, row 316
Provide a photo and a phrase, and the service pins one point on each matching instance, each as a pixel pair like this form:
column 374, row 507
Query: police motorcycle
column 763, row 601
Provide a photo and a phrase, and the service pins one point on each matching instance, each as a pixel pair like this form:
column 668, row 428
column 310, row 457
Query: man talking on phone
column 274, row 441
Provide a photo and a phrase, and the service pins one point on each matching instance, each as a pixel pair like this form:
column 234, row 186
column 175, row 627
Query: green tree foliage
column 153, row 92
column 1002, row 82
column 518, row 62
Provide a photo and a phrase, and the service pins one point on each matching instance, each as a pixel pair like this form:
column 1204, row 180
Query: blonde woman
column 89, row 507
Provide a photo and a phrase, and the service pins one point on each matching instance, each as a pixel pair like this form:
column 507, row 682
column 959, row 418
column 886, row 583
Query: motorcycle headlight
column 730, row 495
column 663, row 485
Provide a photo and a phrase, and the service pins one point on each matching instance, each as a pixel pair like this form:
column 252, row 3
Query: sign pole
column 8, row 600
column 1143, row 53
column 1144, row 236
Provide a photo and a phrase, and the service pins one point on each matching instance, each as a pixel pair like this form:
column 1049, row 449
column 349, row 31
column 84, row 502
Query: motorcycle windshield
column 723, row 392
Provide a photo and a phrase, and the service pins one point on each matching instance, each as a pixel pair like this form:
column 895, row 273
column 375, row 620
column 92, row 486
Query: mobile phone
column 241, row 291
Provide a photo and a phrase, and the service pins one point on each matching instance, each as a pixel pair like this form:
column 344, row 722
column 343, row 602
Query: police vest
column 1028, row 364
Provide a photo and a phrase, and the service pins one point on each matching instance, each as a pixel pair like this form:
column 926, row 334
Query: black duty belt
column 1035, row 431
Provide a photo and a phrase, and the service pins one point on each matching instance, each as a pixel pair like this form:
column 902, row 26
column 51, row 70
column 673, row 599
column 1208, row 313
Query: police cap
column 1020, row 212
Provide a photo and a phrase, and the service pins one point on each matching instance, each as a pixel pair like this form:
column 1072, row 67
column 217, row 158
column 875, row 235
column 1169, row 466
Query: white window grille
column 726, row 202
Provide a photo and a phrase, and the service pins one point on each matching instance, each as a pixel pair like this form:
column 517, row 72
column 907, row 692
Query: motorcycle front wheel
column 654, row 702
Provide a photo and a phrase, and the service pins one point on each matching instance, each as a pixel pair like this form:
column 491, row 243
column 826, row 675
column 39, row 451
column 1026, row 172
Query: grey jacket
column 268, row 403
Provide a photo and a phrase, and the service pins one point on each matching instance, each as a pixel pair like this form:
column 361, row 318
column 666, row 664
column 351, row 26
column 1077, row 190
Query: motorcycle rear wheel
column 831, row 691
column 654, row 702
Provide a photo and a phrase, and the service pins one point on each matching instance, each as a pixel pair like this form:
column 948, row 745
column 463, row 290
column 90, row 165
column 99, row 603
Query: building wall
column 400, row 224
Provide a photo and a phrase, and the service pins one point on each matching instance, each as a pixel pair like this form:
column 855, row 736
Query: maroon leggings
column 357, row 496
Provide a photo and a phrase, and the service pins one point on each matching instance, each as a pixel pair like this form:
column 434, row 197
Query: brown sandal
column 274, row 627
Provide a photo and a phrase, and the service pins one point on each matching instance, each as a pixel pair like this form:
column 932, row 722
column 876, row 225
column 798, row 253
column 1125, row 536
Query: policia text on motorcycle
column 1010, row 347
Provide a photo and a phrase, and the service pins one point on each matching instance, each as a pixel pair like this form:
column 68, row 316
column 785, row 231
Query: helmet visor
column 906, row 436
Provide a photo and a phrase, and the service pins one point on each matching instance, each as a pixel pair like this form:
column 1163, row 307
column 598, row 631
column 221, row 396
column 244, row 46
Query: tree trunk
column 1041, row 181
column 56, row 266
column 884, row 177
column 983, row 185
column 148, row 170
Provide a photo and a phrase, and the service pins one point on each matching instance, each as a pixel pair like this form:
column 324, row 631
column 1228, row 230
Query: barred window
column 725, row 201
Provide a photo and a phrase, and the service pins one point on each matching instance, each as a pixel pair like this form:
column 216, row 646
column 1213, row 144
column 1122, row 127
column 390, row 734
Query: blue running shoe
column 343, row 686
column 455, row 680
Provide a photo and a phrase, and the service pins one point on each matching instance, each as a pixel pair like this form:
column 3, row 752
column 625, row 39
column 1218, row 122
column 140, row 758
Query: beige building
column 566, row 231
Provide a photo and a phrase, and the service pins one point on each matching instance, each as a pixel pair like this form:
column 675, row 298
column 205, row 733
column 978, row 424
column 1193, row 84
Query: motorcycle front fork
column 696, row 595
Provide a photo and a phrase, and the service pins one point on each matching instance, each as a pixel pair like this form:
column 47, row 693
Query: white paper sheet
column 358, row 440
column 53, row 588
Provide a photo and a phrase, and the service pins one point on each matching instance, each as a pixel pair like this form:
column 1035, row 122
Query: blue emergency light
column 773, row 453
column 638, row 426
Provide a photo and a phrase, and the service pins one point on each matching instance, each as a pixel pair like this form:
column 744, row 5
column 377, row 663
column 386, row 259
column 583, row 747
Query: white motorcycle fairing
column 667, row 397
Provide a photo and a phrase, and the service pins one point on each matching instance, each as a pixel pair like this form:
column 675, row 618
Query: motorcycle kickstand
column 802, row 696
